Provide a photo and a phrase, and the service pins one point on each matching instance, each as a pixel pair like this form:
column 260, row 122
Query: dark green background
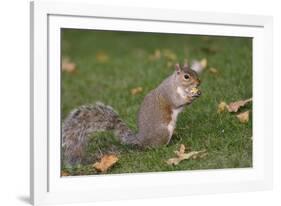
column 227, row 141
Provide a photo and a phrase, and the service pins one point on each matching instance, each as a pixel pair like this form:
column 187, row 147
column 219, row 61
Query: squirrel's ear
column 177, row 68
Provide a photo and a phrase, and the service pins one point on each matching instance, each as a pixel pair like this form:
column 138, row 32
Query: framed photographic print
column 134, row 103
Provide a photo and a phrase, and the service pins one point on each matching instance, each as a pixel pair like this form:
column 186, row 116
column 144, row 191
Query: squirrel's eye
column 186, row 76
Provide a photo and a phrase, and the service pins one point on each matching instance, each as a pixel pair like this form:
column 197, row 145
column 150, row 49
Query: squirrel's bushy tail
column 87, row 120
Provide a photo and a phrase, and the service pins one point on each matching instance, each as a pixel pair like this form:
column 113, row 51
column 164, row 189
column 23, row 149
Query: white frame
column 47, row 18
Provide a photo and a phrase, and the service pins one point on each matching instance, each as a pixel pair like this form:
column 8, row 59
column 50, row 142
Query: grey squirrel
column 156, row 117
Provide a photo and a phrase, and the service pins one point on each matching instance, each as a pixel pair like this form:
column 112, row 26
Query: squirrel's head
column 188, row 79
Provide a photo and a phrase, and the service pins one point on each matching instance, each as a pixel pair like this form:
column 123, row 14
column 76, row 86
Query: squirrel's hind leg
column 160, row 136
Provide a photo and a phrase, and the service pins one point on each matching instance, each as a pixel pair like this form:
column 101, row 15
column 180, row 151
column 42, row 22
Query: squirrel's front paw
column 194, row 92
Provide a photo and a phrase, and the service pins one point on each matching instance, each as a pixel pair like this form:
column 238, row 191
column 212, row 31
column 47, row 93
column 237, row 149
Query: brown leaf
column 170, row 64
column 174, row 161
column 102, row 57
column 64, row 173
column 156, row 55
column 243, row 117
column 181, row 155
column 136, row 90
column 222, row 107
column 169, row 55
column 235, row 106
column 105, row 163
column 213, row 70
column 181, row 150
column 68, row 65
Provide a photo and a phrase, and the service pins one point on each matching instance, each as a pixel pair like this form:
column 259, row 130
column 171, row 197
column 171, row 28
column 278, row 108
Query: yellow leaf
column 136, row 90
column 102, row 57
column 213, row 70
column 169, row 55
column 173, row 161
column 181, row 150
column 170, row 64
column 106, row 162
column 156, row 55
column 181, row 155
column 243, row 117
column 204, row 63
column 222, row 107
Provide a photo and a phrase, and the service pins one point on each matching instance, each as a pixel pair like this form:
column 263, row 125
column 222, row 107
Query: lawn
column 110, row 64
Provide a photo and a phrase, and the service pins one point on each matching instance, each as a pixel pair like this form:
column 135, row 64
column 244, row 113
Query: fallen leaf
column 199, row 66
column 213, row 70
column 243, row 117
column 102, row 57
column 181, row 155
column 170, row 64
column 181, row 150
column 204, row 62
column 105, row 163
column 174, row 161
column 136, row 90
column 235, row 106
column 156, row 55
column 169, row 55
column 222, row 107
column 64, row 173
column 68, row 65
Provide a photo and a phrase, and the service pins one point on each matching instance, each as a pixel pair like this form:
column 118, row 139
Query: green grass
column 227, row 141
